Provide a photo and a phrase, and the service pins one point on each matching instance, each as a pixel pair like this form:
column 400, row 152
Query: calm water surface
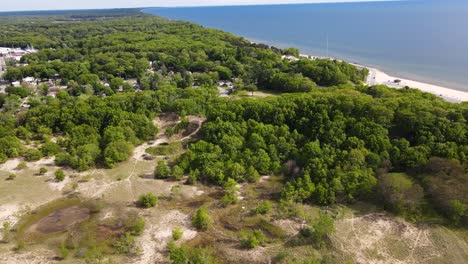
column 424, row 40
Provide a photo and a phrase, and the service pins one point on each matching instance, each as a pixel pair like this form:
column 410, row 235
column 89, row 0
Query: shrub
column 321, row 228
column 59, row 175
column 177, row 172
column 126, row 244
column 162, row 171
column 263, row 208
column 11, row 177
column 64, row 252
column 42, row 171
column 116, row 152
column 136, row 226
column 252, row 174
column 147, row 200
column 177, row 255
column 400, row 193
column 177, row 233
column 6, row 231
column 252, row 239
column 186, row 254
column 32, row 154
column 21, row 166
column 230, row 192
column 458, row 210
column 20, row 245
column 201, row 220
column 193, row 176
column 50, row 149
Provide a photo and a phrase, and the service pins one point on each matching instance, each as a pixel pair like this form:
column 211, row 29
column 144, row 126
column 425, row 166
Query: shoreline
column 378, row 77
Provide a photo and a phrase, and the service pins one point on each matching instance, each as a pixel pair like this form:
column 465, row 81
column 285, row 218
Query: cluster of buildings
column 15, row 53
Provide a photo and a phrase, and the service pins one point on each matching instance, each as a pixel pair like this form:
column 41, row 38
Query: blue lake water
column 424, row 40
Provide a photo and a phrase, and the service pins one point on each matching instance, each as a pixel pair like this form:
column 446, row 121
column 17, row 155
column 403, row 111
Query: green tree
column 162, row 171
column 147, row 200
column 321, row 228
column 32, row 154
column 230, row 192
column 201, row 220
column 252, row 239
column 400, row 193
column 177, row 172
column 59, row 175
column 177, row 233
column 117, row 152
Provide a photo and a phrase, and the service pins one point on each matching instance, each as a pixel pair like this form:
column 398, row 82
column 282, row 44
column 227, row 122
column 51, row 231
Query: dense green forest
column 333, row 139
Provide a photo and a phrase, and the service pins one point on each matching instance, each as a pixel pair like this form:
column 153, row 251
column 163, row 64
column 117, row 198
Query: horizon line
column 212, row 5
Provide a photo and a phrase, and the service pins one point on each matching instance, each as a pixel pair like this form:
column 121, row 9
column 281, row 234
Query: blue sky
column 11, row 5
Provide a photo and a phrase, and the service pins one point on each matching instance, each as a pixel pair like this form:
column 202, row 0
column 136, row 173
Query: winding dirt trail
column 138, row 155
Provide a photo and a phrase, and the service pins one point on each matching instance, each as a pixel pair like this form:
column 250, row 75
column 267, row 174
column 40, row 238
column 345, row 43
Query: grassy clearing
column 39, row 213
column 165, row 150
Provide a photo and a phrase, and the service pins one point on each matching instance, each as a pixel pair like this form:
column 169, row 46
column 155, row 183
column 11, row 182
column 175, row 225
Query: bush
column 126, row 244
column 321, row 228
column 136, row 226
column 64, row 252
column 147, row 200
column 42, row 171
column 116, row 152
column 177, row 255
column 263, row 208
column 252, row 239
column 400, row 193
column 458, row 210
column 32, row 154
column 252, row 174
column 186, row 254
column 21, row 166
column 201, row 220
column 50, row 149
column 6, row 231
column 11, row 177
column 177, row 233
column 177, row 172
column 230, row 192
column 193, row 176
column 59, row 175
column 162, row 171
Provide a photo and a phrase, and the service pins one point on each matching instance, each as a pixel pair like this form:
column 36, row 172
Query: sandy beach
column 378, row 77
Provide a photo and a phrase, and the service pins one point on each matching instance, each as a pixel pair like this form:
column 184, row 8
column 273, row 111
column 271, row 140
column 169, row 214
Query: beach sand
column 377, row 77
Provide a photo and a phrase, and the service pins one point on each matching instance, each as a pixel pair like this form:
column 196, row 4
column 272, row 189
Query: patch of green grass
column 270, row 229
column 42, row 212
column 165, row 150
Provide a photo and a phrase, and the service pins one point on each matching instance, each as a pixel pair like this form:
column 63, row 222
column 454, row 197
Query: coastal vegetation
column 105, row 84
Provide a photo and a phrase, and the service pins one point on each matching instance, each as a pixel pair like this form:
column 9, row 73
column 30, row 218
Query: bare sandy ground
column 382, row 239
column 154, row 241
column 38, row 256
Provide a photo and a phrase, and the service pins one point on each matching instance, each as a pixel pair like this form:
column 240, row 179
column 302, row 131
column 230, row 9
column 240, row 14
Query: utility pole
column 327, row 46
